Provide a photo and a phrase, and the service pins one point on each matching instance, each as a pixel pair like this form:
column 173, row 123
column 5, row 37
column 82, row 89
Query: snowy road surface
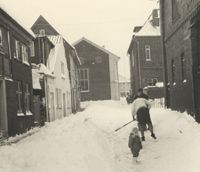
column 86, row 142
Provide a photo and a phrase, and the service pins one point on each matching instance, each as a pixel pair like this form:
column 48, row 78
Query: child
column 134, row 143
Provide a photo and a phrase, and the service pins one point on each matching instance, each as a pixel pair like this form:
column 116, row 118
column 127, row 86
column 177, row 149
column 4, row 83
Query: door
column 3, row 113
column 64, row 104
column 196, row 68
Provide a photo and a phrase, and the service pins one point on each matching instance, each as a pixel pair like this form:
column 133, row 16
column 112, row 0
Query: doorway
column 196, row 65
column 3, row 113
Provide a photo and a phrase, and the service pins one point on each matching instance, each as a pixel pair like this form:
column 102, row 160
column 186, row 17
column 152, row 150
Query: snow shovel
column 124, row 125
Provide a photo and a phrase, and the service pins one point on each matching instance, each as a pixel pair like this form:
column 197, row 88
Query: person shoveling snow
column 140, row 111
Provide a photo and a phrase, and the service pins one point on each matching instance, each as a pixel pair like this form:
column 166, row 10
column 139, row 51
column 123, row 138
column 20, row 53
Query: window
column 62, row 68
column 58, row 98
column 32, row 49
column 175, row 10
column 42, row 32
column 84, row 80
column 25, row 54
column 17, row 50
column 1, row 37
column 19, row 96
column 27, row 98
column 98, row 59
column 173, row 70
column 147, row 52
column 183, row 67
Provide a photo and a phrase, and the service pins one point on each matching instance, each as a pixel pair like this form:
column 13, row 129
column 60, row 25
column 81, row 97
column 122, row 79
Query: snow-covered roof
column 44, row 70
column 149, row 30
column 57, row 39
column 97, row 46
column 17, row 20
column 55, row 52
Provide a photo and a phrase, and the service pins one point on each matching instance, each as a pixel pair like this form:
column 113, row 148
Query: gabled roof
column 42, row 23
column 95, row 45
column 17, row 21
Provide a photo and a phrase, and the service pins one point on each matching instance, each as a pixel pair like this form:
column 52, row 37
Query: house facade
column 98, row 73
column 145, row 53
column 73, row 64
column 180, row 32
column 16, row 47
column 57, row 61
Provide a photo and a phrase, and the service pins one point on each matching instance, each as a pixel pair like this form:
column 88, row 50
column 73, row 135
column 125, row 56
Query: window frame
column 62, row 68
column 19, row 95
column 24, row 52
column 27, row 99
column 84, row 79
column 1, row 37
column 147, row 52
column 173, row 71
column 42, row 32
column 183, row 68
column 32, row 49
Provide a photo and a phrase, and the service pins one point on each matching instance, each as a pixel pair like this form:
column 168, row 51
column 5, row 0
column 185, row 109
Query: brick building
column 16, row 108
column 145, row 53
column 98, row 73
column 180, row 31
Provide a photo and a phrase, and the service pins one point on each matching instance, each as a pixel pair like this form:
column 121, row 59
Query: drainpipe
column 164, row 54
column 138, row 60
column 46, row 98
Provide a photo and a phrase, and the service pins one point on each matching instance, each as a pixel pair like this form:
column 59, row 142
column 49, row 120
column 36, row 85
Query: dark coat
column 134, row 144
column 143, row 116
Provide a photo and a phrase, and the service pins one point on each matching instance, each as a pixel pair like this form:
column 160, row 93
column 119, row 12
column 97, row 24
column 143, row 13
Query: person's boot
column 153, row 136
column 143, row 138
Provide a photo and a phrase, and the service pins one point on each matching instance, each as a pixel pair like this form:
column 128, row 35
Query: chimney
column 155, row 17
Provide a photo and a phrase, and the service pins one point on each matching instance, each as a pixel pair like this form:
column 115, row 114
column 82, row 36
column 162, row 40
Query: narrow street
column 87, row 142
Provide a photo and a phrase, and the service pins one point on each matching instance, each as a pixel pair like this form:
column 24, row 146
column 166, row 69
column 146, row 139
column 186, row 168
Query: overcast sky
column 105, row 22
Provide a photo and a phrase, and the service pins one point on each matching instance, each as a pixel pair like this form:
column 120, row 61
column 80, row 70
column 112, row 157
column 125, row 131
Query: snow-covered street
column 87, row 142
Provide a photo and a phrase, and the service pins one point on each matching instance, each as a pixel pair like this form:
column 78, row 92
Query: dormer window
column 42, row 32
column 1, row 37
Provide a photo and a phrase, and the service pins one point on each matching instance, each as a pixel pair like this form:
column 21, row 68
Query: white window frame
column 25, row 54
column 1, row 37
column 19, row 97
column 58, row 98
column 16, row 55
column 62, row 68
column 84, row 79
column 32, row 49
column 148, row 52
column 27, row 97
column 42, row 32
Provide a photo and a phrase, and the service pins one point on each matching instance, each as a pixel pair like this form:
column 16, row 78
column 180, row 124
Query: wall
column 143, row 70
column 19, row 72
column 178, row 42
column 99, row 75
column 114, row 78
